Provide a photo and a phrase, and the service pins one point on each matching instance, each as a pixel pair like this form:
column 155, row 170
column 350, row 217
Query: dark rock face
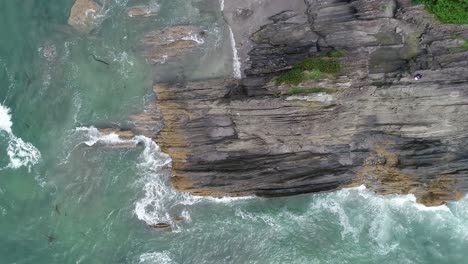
column 381, row 127
column 289, row 39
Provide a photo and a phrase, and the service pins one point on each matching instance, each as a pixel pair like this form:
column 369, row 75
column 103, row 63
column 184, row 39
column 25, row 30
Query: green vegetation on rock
column 293, row 77
column 464, row 45
column 300, row 90
column 311, row 68
column 335, row 54
column 447, row 11
column 321, row 64
column 314, row 75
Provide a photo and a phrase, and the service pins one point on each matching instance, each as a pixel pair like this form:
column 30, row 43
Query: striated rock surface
column 376, row 125
column 143, row 11
column 85, row 15
column 172, row 42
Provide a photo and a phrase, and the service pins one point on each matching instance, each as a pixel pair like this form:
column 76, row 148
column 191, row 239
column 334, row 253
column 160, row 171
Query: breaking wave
column 160, row 200
column 159, row 258
column 20, row 153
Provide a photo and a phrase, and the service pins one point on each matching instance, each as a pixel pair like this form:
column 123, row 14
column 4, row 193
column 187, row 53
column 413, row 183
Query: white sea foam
column 5, row 119
column 360, row 212
column 21, row 154
column 194, row 37
column 77, row 103
column 125, row 62
column 159, row 195
column 156, row 258
column 398, row 200
column 221, row 3
column 228, row 199
column 236, row 64
column 153, row 167
column 95, row 136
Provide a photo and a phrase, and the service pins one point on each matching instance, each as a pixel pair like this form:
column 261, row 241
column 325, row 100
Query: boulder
column 85, row 15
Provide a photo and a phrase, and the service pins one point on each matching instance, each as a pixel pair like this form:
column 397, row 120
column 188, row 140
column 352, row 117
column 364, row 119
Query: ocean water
column 65, row 200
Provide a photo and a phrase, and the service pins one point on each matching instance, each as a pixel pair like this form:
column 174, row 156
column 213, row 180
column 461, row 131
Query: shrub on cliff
column 447, row 11
column 300, row 90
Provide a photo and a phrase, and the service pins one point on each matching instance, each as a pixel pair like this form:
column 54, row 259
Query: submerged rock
column 123, row 134
column 143, row 11
column 165, row 226
column 85, row 15
column 115, row 138
column 172, row 42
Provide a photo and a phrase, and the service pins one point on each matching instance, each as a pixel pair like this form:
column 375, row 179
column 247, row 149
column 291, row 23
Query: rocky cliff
column 372, row 123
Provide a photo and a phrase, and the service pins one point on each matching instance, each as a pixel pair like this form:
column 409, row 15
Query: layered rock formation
column 172, row 42
column 377, row 126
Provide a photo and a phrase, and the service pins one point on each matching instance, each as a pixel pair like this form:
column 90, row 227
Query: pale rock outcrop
column 143, row 11
column 85, row 15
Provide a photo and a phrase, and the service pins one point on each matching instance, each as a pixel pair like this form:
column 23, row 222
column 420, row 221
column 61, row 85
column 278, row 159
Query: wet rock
column 85, row 15
column 172, row 42
column 122, row 133
column 143, row 11
column 180, row 219
column 116, row 138
column 165, row 226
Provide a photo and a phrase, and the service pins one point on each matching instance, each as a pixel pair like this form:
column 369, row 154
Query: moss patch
column 313, row 75
column 293, row 77
column 300, row 90
column 335, row 54
column 447, row 11
column 321, row 64
column 465, row 44
column 312, row 68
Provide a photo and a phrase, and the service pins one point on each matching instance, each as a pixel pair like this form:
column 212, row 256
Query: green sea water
column 64, row 201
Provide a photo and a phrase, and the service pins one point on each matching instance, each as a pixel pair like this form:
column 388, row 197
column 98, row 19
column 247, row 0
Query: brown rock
column 161, row 226
column 122, row 133
column 85, row 15
column 171, row 42
column 142, row 11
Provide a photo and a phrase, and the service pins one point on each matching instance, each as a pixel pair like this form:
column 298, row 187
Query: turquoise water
column 64, row 201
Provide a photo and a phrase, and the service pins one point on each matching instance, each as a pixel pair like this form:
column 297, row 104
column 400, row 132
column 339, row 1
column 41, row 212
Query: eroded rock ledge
column 380, row 127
